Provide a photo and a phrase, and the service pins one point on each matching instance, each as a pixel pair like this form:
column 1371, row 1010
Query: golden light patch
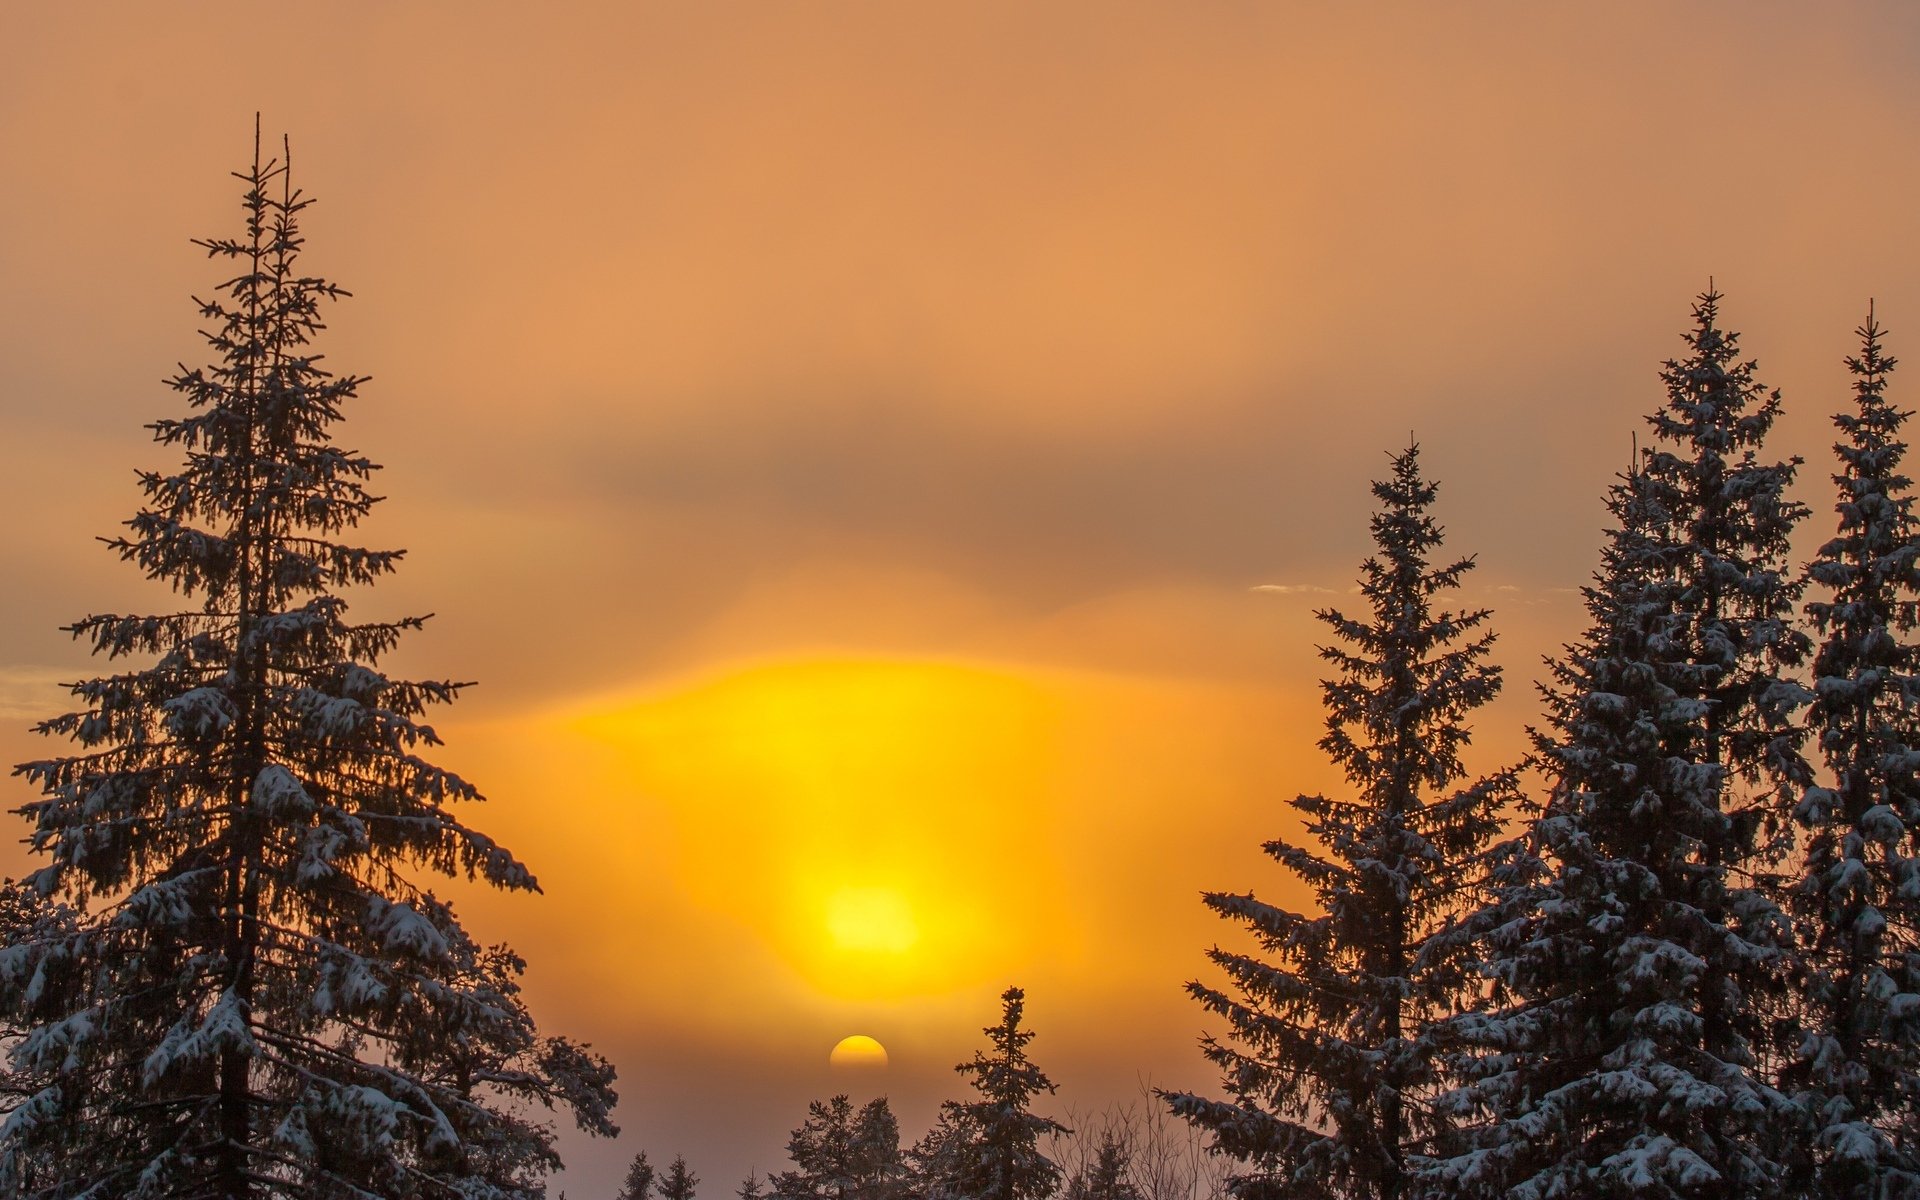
column 871, row 920
column 877, row 823
column 858, row 1053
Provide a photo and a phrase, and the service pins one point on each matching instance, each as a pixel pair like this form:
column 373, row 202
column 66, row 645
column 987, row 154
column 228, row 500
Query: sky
column 880, row 461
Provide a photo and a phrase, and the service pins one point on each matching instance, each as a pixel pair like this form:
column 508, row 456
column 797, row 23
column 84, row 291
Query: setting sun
column 858, row 1053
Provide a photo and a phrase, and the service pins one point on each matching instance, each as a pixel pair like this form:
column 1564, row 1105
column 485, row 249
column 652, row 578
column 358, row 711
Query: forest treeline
column 1675, row 953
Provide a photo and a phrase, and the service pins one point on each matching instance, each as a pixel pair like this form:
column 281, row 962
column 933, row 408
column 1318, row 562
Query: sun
column 858, row 1053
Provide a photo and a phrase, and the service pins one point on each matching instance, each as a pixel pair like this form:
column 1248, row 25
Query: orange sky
column 845, row 440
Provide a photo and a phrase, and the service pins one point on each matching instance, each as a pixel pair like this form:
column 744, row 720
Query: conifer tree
column 261, row 996
column 1631, row 945
column 638, row 1184
column 750, row 1188
column 678, row 1183
column 1856, row 1074
column 840, row 1154
column 1106, row 1178
column 1735, row 593
column 1328, row 1058
column 989, row 1148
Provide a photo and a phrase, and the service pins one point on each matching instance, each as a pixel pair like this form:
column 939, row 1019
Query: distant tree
column 1635, row 953
column 1855, row 1078
column 1106, row 1177
column 678, row 1183
column 750, row 1188
column 1328, row 1060
column 841, row 1154
column 260, row 995
column 638, row 1184
column 989, row 1148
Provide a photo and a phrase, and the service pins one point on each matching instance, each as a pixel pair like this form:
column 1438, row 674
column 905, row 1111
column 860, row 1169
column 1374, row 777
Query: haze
column 880, row 460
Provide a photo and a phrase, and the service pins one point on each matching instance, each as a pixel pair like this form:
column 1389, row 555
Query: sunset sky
column 880, row 460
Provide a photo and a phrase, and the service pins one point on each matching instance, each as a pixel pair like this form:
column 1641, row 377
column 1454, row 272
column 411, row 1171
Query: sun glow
column 863, row 817
column 871, row 920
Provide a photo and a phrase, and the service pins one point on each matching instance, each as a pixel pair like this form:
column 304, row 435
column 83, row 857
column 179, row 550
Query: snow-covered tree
column 989, row 1148
column 1856, row 1074
column 841, row 1154
column 1327, row 1058
column 638, row 1184
column 678, row 1183
column 1736, row 593
column 1632, row 950
column 260, row 995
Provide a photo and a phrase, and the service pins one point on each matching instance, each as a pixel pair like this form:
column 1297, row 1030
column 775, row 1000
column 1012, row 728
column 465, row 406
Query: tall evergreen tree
column 1328, row 1058
column 261, row 996
column 1856, row 1076
column 1735, row 592
column 989, row 1148
column 1631, row 946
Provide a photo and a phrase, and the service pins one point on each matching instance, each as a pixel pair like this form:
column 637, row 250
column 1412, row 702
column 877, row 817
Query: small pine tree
column 638, row 1184
column 260, row 994
column 1329, row 1058
column 750, row 1188
column 1856, row 1076
column 1107, row 1177
column 840, row 1154
column 989, row 1148
column 678, row 1183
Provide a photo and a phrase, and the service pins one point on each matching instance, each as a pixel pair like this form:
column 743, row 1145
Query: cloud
column 30, row 693
column 1293, row 589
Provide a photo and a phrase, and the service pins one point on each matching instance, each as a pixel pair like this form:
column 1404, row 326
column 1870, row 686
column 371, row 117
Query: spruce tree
column 1735, row 593
column 1107, row 1177
column 841, row 1154
column 989, row 1148
column 638, row 1184
column 1856, row 1074
column 750, row 1188
column 1328, row 1057
column 678, row 1183
column 1633, row 945
column 261, row 996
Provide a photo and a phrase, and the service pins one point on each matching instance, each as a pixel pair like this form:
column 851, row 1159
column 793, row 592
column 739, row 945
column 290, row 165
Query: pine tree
column 1631, row 946
column 934, row 1161
column 638, row 1184
column 750, row 1188
column 989, row 1148
column 840, row 1154
column 261, row 996
column 1329, row 1055
column 1736, row 595
column 678, row 1183
column 1107, row 1177
column 1856, row 1076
